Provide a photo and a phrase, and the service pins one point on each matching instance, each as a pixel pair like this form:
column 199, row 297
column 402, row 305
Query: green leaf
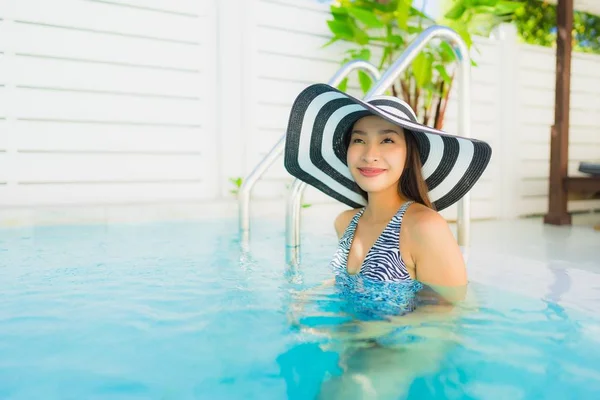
column 443, row 73
column 341, row 30
column 236, row 181
column 343, row 86
column 364, row 54
column 429, row 98
column 403, row 13
column 422, row 67
column 485, row 10
column 415, row 12
column 366, row 17
column 384, row 57
column 331, row 41
column 414, row 30
column 381, row 6
column 508, row 7
column 396, row 39
column 463, row 31
column 339, row 13
column 457, row 10
column 475, row 3
column 359, row 36
column 360, row 54
column 365, row 81
column 447, row 52
column 430, row 86
column 306, row 205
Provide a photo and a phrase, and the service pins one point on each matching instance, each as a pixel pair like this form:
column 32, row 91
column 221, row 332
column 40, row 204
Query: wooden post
column 559, row 143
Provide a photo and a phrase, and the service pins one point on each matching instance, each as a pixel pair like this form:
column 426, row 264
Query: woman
column 397, row 236
column 394, row 173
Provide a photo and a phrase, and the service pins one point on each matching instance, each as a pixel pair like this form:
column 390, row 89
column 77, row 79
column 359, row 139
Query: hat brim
column 315, row 152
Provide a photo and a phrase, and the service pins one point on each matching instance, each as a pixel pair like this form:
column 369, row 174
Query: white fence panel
column 108, row 101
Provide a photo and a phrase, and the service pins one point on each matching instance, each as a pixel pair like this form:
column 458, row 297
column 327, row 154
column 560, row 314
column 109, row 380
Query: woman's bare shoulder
column 343, row 220
column 420, row 217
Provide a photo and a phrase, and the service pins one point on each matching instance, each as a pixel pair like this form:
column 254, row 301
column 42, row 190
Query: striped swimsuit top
column 383, row 261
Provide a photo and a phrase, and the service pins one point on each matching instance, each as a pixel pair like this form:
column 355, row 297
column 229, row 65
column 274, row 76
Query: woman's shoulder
column 343, row 220
column 422, row 222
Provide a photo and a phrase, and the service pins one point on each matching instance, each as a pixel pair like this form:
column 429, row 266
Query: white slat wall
column 536, row 79
column 485, row 116
column 107, row 101
column 4, row 141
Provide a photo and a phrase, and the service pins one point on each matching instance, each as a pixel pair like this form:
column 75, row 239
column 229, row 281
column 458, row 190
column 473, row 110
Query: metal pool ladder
column 400, row 65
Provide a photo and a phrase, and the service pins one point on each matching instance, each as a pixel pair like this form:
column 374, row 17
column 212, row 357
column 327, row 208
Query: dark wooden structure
column 560, row 182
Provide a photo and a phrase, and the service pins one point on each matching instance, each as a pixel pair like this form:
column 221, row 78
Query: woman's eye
column 357, row 141
column 388, row 140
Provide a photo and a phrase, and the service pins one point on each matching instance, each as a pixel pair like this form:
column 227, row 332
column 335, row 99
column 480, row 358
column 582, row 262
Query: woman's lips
column 370, row 172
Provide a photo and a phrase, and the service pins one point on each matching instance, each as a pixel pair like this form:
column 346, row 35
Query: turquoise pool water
column 176, row 311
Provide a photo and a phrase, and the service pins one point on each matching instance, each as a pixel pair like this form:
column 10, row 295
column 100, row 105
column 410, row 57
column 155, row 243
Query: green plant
column 383, row 29
column 536, row 24
column 237, row 182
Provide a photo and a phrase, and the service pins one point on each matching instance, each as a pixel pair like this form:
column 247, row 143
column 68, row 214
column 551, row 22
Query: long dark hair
column 411, row 184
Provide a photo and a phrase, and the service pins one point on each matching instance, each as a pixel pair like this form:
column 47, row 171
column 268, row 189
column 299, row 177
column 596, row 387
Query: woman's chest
column 366, row 241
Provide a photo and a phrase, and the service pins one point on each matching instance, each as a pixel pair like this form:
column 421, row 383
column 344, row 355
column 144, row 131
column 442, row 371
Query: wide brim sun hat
column 315, row 152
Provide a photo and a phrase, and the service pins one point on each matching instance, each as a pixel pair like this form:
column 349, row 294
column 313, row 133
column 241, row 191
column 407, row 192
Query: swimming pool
column 176, row 311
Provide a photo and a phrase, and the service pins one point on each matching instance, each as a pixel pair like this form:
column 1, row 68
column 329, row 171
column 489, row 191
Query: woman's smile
column 371, row 172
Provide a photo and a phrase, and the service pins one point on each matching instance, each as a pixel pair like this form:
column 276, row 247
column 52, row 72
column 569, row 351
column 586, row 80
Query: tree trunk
column 438, row 109
column 405, row 90
column 439, row 122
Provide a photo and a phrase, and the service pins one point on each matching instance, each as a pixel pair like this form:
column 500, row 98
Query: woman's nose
column 371, row 154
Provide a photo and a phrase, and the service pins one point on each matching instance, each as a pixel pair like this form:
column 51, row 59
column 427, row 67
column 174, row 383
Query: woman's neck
column 382, row 206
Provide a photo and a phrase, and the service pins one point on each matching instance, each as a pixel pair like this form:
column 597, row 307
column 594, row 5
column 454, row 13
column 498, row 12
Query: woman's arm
column 438, row 261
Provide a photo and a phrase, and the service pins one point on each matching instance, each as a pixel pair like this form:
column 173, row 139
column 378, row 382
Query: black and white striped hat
column 315, row 152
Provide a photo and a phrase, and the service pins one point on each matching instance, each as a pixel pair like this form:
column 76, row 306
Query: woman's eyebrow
column 386, row 131
column 381, row 132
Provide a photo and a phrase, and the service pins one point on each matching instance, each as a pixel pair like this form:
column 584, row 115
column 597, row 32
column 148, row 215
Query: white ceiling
column 589, row 6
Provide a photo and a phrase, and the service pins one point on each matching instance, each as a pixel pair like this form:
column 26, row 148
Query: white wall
column 145, row 101
column 106, row 101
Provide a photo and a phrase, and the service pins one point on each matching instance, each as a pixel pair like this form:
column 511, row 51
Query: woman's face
column 376, row 153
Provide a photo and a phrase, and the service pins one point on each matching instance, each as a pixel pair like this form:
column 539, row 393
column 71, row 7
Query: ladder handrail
column 249, row 182
column 393, row 72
